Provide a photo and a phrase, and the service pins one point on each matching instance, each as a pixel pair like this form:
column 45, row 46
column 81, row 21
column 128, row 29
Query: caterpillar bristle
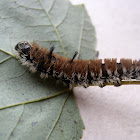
column 71, row 71
column 75, row 54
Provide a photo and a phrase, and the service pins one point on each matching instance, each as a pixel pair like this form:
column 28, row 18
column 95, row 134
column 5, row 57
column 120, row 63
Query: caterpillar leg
column 117, row 82
column 101, row 84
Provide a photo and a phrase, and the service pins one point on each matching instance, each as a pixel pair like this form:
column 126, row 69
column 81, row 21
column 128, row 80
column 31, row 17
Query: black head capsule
column 23, row 48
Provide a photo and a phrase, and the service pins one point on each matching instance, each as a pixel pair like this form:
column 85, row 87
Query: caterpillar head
column 23, row 48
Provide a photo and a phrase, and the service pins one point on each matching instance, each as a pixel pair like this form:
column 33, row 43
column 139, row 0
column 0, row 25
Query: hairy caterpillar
column 80, row 72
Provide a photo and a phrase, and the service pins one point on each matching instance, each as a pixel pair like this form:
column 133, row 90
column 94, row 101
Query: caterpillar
column 79, row 72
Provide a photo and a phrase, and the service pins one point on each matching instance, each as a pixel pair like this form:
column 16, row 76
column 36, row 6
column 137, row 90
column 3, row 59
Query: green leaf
column 28, row 110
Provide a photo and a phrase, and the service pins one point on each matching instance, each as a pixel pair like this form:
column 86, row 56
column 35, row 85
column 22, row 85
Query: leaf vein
column 16, row 123
column 7, row 53
column 5, row 59
column 7, row 33
column 36, row 100
column 75, row 126
column 47, row 40
column 51, row 6
column 80, row 39
column 36, row 25
column 64, row 18
column 57, row 33
column 58, row 117
column 19, row 5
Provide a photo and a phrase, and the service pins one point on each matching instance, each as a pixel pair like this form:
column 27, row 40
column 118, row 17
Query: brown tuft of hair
column 95, row 66
column 111, row 64
column 59, row 64
column 127, row 64
column 82, row 67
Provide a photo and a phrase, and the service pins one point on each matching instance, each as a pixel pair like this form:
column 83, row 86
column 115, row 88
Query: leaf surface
column 28, row 110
